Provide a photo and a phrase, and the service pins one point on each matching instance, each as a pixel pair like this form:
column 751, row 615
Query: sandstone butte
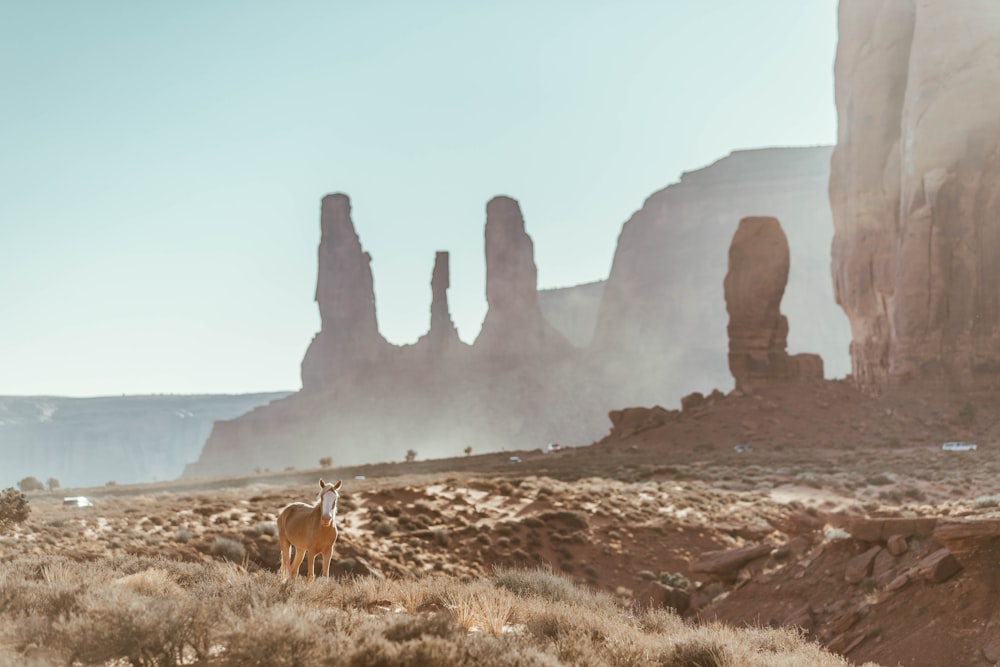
column 522, row 384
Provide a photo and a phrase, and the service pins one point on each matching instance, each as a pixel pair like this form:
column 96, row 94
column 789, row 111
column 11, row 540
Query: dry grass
column 152, row 611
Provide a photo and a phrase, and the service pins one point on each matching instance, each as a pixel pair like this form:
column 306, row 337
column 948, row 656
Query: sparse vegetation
column 153, row 611
column 52, row 483
column 14, row 509
column 326, row 462
column 229, row 550
column 411, row 455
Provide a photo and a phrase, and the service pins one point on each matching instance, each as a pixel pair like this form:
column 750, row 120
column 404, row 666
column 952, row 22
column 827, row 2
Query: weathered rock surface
column 914, row 190
column 669, row 254
column 754, row 286
column 514, row 329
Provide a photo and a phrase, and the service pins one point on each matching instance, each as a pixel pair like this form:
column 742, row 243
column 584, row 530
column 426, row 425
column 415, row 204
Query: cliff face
column 914, row 189
column 662, row 323
column 126, row 439
column 573, row 310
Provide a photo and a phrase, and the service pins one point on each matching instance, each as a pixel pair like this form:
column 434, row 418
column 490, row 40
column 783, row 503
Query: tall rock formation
column 348, row 339
column 514, row 329
column 915, row 189
column 758, row 332
column 661, row 330
column 442, row 338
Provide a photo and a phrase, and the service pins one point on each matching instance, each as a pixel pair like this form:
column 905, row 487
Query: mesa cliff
column 638, row 338
column 662, row 325
column 915, row 194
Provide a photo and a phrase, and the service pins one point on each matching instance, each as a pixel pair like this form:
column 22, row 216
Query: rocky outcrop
column 348, row 339
column 514, row 329
column 916, row 255
column 662, row 321
column 758, row 332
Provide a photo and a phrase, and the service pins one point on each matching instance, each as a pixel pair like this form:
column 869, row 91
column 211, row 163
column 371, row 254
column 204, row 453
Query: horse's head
column 328, row 496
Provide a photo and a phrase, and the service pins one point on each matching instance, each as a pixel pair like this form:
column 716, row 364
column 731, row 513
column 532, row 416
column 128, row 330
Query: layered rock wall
column 914, row 188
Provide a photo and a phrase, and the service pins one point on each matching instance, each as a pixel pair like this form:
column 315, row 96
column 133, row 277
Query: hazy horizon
column 164, row 167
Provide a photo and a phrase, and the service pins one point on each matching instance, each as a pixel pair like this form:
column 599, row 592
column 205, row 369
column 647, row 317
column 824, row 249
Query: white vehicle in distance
column 958, row 447
column 77, row 501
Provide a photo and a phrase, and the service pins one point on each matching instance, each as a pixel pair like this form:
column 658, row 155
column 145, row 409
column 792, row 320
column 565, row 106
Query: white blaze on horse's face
column 328, row 496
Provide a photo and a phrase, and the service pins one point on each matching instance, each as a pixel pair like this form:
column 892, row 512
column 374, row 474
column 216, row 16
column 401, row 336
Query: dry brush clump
column 153, row 611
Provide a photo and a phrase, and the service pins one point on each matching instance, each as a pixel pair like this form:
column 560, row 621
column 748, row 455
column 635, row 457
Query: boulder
column 860, row 566
column 728, row 562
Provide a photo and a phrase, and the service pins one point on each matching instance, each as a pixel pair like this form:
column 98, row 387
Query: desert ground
column 811, row 508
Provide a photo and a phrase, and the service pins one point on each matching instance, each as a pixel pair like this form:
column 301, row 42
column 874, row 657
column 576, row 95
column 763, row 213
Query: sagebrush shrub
column 228, row 549
column 14, row 509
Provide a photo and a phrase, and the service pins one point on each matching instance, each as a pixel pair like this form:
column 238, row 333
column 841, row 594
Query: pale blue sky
column 162, row 163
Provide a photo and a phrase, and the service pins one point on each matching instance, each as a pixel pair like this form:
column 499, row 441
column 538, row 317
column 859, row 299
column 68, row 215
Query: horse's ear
column 322, row 484
column 337, row 485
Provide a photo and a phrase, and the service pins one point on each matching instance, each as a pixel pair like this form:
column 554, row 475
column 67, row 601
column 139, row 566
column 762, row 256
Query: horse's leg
column 312, row 566
column 327, row 557
column 299, row 555
column 285, row 547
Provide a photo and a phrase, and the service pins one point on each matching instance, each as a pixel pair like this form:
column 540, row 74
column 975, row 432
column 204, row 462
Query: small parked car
column 553, row 447
column 77, row 501
column 514, row 459
column 958, row 447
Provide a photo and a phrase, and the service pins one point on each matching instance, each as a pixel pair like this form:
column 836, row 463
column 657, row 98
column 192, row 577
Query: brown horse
column 309, row 529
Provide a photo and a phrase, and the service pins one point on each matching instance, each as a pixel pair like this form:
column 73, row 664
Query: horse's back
column 293, row 512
